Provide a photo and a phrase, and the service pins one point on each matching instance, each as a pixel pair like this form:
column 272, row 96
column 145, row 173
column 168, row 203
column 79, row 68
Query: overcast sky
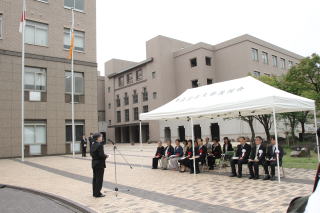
column 123, row 26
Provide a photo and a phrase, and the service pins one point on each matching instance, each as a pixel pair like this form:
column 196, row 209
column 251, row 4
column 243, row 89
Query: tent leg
column 276, row 137
column 192, row 137
column 140, row 135
column 317, row 139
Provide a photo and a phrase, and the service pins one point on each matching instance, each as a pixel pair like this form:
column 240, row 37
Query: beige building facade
column 171, row 67
column 47, row 84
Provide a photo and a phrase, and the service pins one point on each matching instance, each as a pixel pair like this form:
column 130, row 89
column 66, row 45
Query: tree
column 302, row 117
column 266, row 122
column 293, row 122
column 249, row 120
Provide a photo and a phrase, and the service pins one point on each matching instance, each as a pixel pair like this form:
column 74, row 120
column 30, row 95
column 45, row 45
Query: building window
column 264, row 57
column 194, row 83
column 76, row 4
column 109, row 106
column 1, row 26
column 118, row 116
column 129, row 78
column 290, row 64
column 208, row 61
column 109, row 89
column 267, row 74
column 139, row 75
column 78, row 87
column 135, row 96
column 256, row 73
column 193, row 62
column 101, row 116
column 274, row 61
column 153, row 75
column 36, row 33
column 154, row 95
column 79, row 38
column 118, row 101
column 78, row 83
column 45, row 1
column 121, row 81
column 209, row 81
column 109, row 122
column 126, row 115
column 136, row 113
column 254, row 54
column 145, row 108
column 145, row 94
column 35, row 79
column 79, row 130
column 126, row 99
column 35, row 132
column 282, row 63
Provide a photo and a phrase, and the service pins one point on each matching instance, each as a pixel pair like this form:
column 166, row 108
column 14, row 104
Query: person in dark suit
column 257, row 157
column 184, row 162
column 158, row 155
column 227, row 146
column 83, row 144
column 242, row 156
column 168, row 151
column 196, row 157
column 98, row 164
column 271, row 159
column 177, row 155
column 90, row 140
column 215, row 154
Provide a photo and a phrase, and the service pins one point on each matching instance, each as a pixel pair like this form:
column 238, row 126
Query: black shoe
column 266, row 177
column 250, row 177
column 256, row 177
column 239, row 176
column 273, row 178
column 211, row 168
column 100, row 195
column 233, row 175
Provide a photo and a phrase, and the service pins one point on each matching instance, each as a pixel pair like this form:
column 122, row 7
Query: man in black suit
column 242, row 156
column 83, row 144
column 158, row 155
column 271, row 159
column 168, row 151
column 257, row 157
column 98, row 164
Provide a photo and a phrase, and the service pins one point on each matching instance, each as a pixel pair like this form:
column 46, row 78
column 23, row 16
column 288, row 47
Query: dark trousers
column 184, row 162
column 155, row 163
column 197, row 165
column 211, row 161
column 254, row 168
column 97, row 181
column 84, row 151
column 272, row 165
column 233, row 163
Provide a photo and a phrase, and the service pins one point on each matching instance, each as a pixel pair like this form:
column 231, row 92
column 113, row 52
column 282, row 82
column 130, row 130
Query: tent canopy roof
column 244, row 96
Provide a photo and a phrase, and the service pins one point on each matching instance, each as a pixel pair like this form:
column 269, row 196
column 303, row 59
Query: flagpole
column 22, row 79
column 72, row 88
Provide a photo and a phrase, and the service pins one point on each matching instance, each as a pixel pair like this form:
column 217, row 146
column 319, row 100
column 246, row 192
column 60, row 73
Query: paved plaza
column 145, row 190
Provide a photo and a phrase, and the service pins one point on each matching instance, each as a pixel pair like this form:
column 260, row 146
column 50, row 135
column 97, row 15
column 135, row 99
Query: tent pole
column 276, row 138
column 192, row 136
column 140, row 135
column 315, row 125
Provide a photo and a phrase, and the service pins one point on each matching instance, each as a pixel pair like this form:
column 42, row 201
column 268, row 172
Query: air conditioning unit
column 34, row 96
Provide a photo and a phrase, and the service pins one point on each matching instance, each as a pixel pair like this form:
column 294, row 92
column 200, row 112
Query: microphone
column 113, row 143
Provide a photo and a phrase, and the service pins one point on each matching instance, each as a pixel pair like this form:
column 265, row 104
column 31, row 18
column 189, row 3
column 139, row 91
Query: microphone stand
column 116, row 189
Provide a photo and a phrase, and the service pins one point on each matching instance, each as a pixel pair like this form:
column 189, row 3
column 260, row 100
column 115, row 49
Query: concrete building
column 171, row 67
column 47, row 87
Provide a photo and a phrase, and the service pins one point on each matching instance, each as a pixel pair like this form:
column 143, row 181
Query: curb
column 68, row 203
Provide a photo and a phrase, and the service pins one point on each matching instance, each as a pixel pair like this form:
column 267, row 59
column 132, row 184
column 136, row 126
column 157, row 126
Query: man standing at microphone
column 98, row 164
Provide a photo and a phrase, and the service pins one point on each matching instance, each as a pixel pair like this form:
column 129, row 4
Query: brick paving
column 154, row 190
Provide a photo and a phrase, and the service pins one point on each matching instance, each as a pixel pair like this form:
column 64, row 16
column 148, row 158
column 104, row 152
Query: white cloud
column 123, row 26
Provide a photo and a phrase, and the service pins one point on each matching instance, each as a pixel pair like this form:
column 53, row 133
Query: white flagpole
column 277, row 144
column 72, row 88
column 22, row 79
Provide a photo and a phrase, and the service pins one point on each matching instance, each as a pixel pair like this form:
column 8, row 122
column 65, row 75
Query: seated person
column 185, row 146
column 216, row 153
column 158, row 155
column 207, row 144
column 168, row 151
column 178, row 153
column 202, row 152
column 257, row 157
column 271, row 159
column 227, row 146
column 184, row 161
column 195, row 158
column 242, row 156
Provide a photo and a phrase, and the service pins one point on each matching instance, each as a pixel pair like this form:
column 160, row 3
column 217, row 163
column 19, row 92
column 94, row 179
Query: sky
column 123, row 26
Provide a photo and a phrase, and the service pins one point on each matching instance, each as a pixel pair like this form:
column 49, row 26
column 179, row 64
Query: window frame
column 129, row 78
column 145, row 94
column 194, row 80
column 139, row 77
column 35, row 73
column 145, row 107
column 35, row 124
column 126, row 115
column 254, row 57
column 76, row 124
column 154, row 95
column 209, row 79
column 76, row 35
column 75, row 9
column 118, row 116
column 83, row 83
column 264, row 57
column 283, row 65
column 1, row 26
column 208, row 59
column 37, row 25
column 290, row 64
column 193, row 60
column 121, row 81
column 136, row 113
column 274, row 61
column 135, row 97
column 256, row 72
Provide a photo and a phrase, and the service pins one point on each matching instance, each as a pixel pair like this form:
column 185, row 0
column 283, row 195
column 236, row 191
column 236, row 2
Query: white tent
column 240, row 97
